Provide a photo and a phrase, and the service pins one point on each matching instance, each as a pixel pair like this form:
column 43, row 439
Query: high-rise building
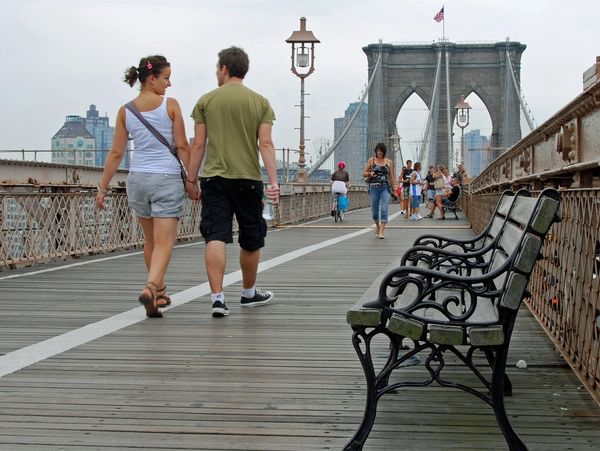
column 476, row 152
column 72, row 145
column 353, row 147
column 99, row 127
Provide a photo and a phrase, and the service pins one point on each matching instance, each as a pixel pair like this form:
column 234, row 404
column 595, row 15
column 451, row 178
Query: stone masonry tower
column 480, row 68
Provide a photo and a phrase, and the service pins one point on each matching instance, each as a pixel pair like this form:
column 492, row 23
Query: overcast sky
column 60, row 56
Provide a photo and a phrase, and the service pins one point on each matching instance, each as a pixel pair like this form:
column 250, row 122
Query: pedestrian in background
column 232, row 126
column 429, row 179
column 405, row 179
column 154, row 187
column 380, row 173
column 416, row 186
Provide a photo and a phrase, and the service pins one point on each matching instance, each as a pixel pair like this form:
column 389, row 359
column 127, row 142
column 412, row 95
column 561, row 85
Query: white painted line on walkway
column 29, row 355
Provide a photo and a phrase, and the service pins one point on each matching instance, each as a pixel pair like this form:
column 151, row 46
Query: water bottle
column 268, row 212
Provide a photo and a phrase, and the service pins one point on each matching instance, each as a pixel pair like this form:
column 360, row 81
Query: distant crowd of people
column 437, row 189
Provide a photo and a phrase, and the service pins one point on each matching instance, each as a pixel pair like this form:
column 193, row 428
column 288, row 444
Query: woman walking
column 379, row 172
column 154, row 187
column 440, row 183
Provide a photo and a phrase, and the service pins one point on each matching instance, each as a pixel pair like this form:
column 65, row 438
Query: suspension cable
column 423, row 155
column 524, row 107
column 339, row 139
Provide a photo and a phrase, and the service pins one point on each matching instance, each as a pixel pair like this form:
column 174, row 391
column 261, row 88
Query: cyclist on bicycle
column 340, row 182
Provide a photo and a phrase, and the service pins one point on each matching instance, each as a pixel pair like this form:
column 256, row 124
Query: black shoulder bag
column 131, row 107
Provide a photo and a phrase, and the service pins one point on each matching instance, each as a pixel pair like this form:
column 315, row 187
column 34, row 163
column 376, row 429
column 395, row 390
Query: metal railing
column 562, row 153
column 39, row 227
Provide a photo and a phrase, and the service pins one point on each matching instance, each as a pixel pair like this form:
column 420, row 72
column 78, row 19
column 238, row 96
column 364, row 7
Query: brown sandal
column 149, row 301
column 163, row 297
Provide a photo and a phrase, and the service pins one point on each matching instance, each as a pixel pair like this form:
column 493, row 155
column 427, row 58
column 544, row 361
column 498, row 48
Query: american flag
column 439, row 16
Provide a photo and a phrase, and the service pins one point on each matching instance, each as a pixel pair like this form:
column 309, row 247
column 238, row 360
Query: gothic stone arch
column 479, row 68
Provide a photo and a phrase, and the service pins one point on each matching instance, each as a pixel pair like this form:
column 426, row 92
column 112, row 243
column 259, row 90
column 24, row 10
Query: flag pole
column 444, row 26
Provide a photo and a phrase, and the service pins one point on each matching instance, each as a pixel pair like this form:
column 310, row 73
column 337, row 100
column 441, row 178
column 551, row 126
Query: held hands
column 193, row 190
column 272, row 193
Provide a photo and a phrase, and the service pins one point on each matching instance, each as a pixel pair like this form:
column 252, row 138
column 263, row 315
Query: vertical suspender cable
column 337, row 142
column 424, row 155
column 448, row 115
column 518, row 91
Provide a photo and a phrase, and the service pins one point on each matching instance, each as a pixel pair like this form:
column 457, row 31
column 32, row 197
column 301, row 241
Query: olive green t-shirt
column 232, row 114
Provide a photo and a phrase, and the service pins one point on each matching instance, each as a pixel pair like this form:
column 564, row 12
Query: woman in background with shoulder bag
column 379, row 172
column 440, row 191
column 154, row 185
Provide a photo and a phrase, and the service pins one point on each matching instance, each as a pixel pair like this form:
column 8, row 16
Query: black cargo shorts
column 222, row 199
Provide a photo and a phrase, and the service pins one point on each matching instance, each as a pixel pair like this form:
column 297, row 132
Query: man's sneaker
column 219, row 309
column 260, row 298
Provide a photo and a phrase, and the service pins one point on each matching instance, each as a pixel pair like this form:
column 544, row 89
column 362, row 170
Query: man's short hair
column 236, row 61
column 408, row 161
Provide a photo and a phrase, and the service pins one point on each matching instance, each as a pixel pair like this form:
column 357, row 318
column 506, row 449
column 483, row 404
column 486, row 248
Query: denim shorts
column 416, row 201
column 155, row 195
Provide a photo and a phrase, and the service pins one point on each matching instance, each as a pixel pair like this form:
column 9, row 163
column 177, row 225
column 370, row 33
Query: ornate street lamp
column 395, row 146
column 462, row 120
column 303, row 64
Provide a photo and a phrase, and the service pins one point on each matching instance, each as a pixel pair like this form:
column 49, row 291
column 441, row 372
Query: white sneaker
column 414, row 218
column 419, row 217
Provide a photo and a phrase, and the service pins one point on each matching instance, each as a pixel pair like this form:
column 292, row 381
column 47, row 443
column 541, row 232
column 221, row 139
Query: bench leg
column 489, row 354
column 360, row 436
column 498, row 376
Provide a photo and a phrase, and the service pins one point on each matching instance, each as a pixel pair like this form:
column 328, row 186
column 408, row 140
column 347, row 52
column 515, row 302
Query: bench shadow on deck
column 279, row 377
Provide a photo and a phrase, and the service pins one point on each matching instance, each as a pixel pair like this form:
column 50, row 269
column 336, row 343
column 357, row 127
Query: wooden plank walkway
column 279, row 377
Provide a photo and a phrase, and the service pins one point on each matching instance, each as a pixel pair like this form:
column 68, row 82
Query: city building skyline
column 477, row 152
column 353, row 147
column 85, row 140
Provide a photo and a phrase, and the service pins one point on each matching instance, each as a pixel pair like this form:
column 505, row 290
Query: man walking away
column 405, row 179
column 236, row 122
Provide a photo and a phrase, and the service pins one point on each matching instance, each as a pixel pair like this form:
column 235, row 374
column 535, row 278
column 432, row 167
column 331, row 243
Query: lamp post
column 303, row 64
column 395, row 145
column 462, row 120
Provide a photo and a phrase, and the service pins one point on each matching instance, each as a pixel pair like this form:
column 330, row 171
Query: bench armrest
column 440, row 242
column 453, row 298
column 446, row 260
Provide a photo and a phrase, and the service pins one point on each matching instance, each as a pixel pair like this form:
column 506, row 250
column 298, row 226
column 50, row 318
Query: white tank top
column 417, row 188
column 149, row 154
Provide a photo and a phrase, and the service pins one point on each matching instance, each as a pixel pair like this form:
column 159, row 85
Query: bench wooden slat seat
column 439, row 311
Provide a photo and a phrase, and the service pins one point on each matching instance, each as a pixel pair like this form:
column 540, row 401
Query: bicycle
column 338, row 212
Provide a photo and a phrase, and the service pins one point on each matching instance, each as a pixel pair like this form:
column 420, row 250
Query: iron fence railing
column 36, row 227
column 565, row 283
column 563, row 153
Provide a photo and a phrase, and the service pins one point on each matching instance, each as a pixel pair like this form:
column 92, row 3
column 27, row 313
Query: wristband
column 103, row 191
column 190, row 181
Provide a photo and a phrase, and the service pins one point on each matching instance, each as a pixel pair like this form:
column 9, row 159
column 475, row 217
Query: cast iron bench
column 443, row 312
column 463, row 257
